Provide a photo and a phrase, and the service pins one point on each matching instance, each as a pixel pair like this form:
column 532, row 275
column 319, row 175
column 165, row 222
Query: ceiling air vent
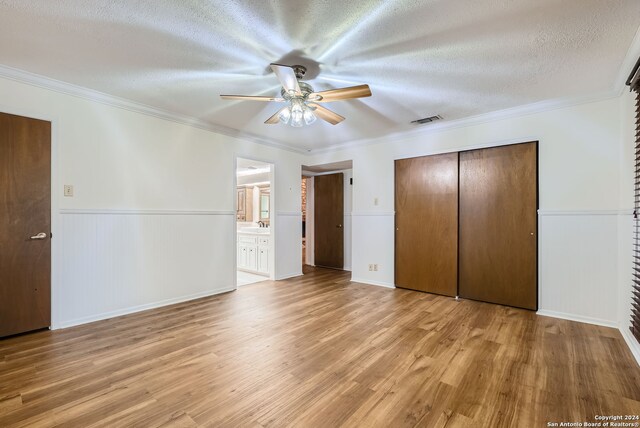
column 426, row 120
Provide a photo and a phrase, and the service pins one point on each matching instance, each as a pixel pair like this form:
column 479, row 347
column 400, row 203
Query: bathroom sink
column 254, row 229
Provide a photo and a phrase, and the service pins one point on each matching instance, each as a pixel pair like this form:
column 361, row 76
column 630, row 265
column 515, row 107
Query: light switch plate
column 68, row 190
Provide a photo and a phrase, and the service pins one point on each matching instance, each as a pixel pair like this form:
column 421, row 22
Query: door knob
column 40, row 235
column 339, row 226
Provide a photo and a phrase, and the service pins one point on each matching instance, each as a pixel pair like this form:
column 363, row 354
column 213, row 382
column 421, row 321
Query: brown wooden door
column 498, row 225
column 426, row 239
column 328, row 219
column 25, row 211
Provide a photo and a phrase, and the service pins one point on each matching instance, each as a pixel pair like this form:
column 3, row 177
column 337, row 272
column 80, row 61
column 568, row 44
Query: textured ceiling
column 246, row 166
column 421, row 58
column 249, row 172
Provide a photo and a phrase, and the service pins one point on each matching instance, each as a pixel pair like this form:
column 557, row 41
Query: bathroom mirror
column 264, row 204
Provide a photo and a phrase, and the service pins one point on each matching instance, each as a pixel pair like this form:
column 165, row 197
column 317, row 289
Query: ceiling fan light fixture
column 285, row 115
column 302, row 98
column 296, row 120
column 309, row 116
column 297, row 112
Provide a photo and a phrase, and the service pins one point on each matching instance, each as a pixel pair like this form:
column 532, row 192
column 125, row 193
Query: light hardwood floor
column 319, row 351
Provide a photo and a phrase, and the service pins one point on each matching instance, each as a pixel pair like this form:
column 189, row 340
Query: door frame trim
column 272, row 219
column 55, row 216
column 342, row 217
column 311, row 243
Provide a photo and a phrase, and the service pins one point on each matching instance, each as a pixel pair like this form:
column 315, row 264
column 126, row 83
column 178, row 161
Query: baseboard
column 288, row 275
column 578, row 318
column 140, row 308
column 370, row 282
column 632, row 343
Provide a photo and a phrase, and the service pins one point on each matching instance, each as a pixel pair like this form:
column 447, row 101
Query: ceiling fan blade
column 250, row 98
column 287, row 78
column 275, row 118
column 341, row 94
column 326, row 114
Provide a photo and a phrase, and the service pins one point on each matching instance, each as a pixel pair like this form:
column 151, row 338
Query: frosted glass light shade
column 309, row 117
column 296, row 119
column 297, row 111
column 285, row 115
column 297, row 114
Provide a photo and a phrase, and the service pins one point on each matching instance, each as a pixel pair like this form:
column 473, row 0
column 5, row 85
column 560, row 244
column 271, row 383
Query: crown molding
column 44, row 82
column 37, row 80
column 509, row 113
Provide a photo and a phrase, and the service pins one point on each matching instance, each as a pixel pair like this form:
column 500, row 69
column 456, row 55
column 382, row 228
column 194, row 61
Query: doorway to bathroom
column 254, row 226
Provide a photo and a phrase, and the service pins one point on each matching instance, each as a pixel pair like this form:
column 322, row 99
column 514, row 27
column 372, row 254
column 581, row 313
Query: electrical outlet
column 370, row 268
column 68, row 190
column 375, row 267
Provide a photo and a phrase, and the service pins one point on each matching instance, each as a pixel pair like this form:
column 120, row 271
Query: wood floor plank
column 318, row 350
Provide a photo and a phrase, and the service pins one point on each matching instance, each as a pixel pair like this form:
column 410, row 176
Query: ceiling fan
column 302, row 101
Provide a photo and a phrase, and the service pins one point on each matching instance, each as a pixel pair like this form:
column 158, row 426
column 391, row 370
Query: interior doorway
column 25, row 224
column 255, row 238
column 329, row 219
column 326, row 215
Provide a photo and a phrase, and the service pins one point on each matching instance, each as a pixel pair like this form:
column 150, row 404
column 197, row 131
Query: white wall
column 579, row 180
column 116, row 263
column 153, row 214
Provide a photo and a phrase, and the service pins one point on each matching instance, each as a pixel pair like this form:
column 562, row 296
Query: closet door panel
column 426, row 238
column 498, row 225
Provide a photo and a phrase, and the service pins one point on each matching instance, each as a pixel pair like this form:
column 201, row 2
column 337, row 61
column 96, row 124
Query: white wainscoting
column 288, row 236
column 578, row 261
column 578, row 265
column 373, row 235
column 114, row 262
column 625, row 279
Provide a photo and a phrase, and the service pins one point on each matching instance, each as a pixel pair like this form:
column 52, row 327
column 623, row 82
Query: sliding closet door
column 498, row 225
column 426, row 241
